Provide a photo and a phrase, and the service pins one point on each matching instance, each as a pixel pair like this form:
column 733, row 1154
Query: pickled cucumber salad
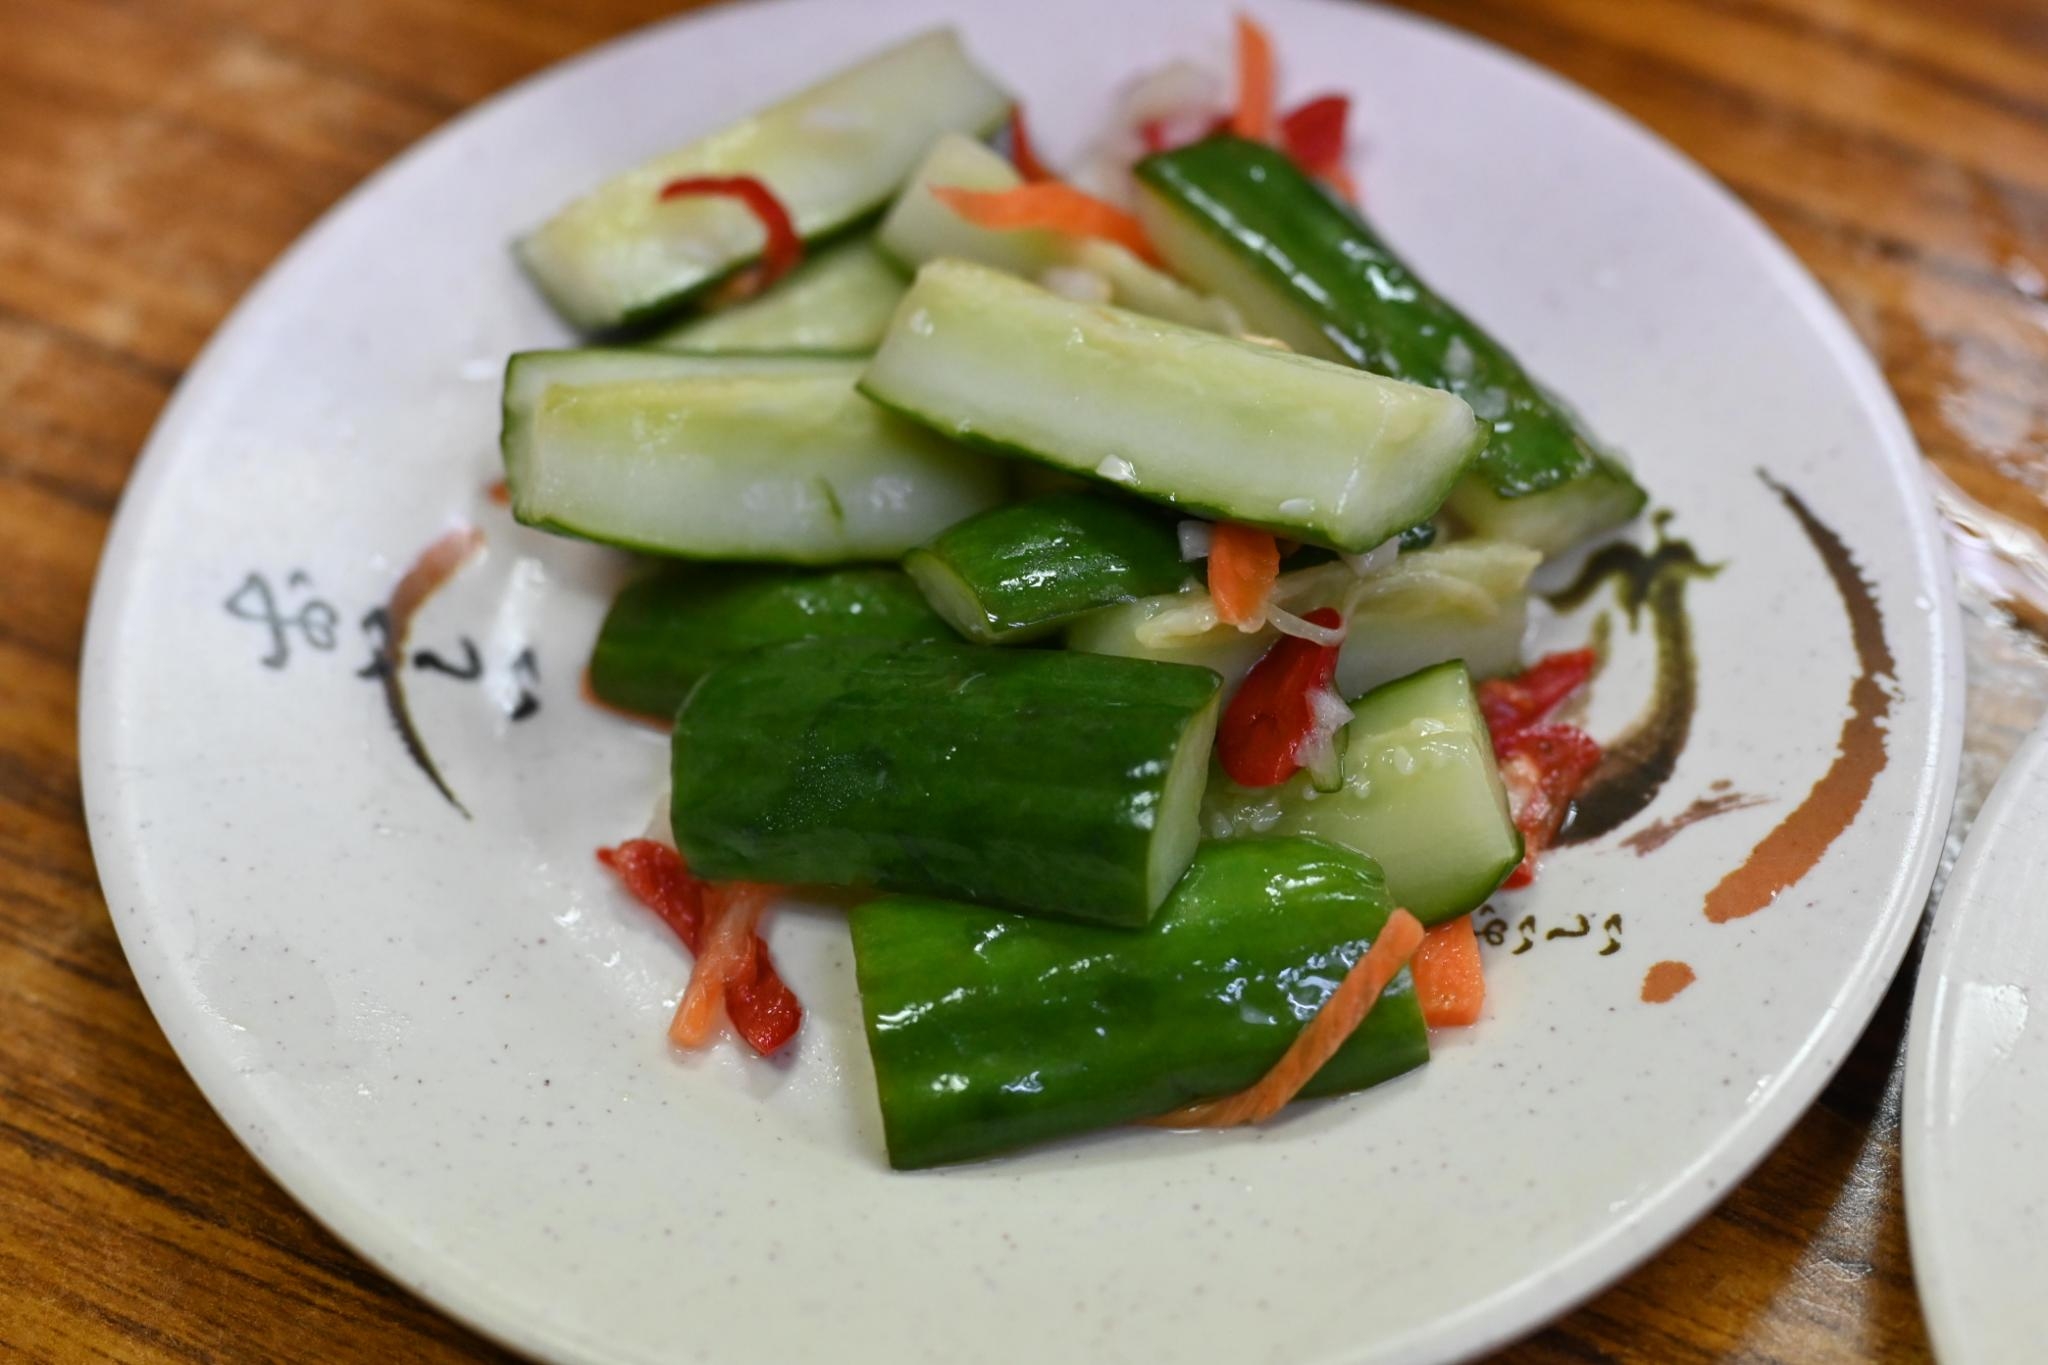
column 1114, row 576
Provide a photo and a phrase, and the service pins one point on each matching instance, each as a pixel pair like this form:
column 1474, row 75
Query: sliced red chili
column 1544, row 767
column 783, row 248
column 1022, row 154
column 659, row 879
column 1511, row 705
column 762, row 1008
column 1272, row 713
column 1313, row 134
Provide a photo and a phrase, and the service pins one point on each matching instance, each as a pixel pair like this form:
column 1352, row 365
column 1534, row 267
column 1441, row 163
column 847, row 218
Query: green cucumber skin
column 992, row 1031
column 1442, row 853
column 1032, row 779
column 1371, row 310
column 1019, row 572
column 670, row 628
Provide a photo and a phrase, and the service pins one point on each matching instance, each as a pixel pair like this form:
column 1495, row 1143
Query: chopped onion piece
column 1287, row 623
column 1180, row 100
column 1181, row 623
column 1379, row 557
column 1074, row 282
column 1194, row 540
column 660, row 829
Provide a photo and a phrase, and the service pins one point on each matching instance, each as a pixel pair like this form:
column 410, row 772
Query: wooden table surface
column 155, row 155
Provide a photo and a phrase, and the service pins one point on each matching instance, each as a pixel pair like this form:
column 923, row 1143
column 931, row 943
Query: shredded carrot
column 1253, row 117
column 1243, row 564
column 1450, row 983
column 731, row 910
column 1052, row 207
column 1023, row 154
column 1336, row 1021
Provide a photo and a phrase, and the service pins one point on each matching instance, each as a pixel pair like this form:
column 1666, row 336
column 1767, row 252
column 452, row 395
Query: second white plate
column 1976, row 1100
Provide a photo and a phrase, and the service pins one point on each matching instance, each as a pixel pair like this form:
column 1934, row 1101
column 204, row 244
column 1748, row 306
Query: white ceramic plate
column 445, row 1035
column 1976, row 1102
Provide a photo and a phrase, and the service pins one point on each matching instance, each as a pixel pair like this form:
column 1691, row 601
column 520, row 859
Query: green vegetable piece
column 1319, row 452
column 670, row 628
column 1016, row 573
column 837, row 302
column 1421, row 796
column 1240, row 218
column 1466, row 600
column 833, row 154
column 992, row 1031
column 763, row 459
column 1064, row 784
column 920, row 228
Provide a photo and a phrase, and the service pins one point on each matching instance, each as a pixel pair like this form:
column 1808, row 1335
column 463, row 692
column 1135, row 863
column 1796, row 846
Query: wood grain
column 154, row 157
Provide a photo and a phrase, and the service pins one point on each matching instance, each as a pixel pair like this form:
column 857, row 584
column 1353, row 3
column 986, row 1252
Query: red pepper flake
column 1544, row 769
column 658, row 878
column 1272, row 713
column 782, row 250
column 1511, row 705
column 1022, row 154
column 1544, row 765
column 499, row 492
column 761, row 1006
column 1313, row 134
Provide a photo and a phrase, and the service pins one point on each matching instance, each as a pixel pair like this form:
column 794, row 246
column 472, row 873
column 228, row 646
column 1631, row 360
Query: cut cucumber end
column 1177, row 821
column 838, row 302
column 1421, row 796
column 1553, row 521
column 952, row 598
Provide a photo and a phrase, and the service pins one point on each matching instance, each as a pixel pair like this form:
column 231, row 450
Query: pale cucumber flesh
column 1421, row 796
column 833, row 154
column 837, row 302
column 1464, row 600
column 783, row 468
column 920, row 228
column 1309, row 449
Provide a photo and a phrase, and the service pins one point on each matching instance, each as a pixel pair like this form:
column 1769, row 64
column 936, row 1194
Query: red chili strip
column 782, row 250
column 1271, row 714
column 1313, row 133
column 1023, row 155
column 1512, row 705
column 762, row 1008
column 1544, row 767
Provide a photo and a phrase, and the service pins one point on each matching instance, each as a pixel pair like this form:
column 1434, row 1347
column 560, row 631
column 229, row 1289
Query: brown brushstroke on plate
column 1636, row 764
column 1665, row 980
column 1790, row 850
column 436, row 565
column 1655, row 835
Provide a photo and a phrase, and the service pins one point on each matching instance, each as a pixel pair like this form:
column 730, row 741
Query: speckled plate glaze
column 1976, row 1102
column 444, row 1032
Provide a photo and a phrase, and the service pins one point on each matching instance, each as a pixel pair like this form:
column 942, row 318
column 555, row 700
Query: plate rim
column 1484, row 1325
column 1930, row 1040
